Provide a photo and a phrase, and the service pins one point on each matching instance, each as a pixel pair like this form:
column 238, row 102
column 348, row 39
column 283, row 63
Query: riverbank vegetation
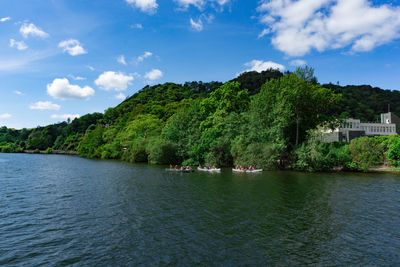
column 266, row 119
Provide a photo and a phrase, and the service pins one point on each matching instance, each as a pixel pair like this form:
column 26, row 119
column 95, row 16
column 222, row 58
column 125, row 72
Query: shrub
column 394, row 153
column 366, row 152
column 163, row 152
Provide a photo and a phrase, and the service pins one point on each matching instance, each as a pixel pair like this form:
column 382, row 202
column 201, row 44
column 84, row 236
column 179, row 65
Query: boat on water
column 247, row 171
column 208, row 170
column 179, row 170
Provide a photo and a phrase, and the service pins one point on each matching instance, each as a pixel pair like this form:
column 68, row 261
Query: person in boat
column 176, row 167
column 170, row 166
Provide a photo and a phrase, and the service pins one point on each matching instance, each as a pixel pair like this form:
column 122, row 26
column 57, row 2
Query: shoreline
column 56, row 152
column 377, row 169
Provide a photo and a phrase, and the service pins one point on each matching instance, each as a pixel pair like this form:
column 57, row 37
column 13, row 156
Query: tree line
column 266, row 119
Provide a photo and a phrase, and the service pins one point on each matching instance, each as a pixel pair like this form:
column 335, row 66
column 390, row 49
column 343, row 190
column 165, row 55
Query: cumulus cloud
column 147, row 6
column 72, row 47
column 144, row 56
column 120, row 96
column 298, row 62
column 110, row 80
column 65, row 116
column 5, row 116
column 259, row 66
column 31, row 30
column 4, row 19
column 154, row 74
column 196, row 25
column 62, row 89
column 301, row 26
column 19, row 45
column 45, row 105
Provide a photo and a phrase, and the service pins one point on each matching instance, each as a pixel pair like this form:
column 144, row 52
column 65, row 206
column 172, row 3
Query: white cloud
column 45, row 105
column 4, row 19
column 76, row 78
column 72, row 47
column 154, row 74
column 301, row 26
column 65, row 116
column 144, row 56
column 200, row 4
column 19, row 45
column 120, row 96
column 62, row 89
column 121, row 59
column 185, row 3
column 5, row 116
column 196, row 25
column 259, row 66
column 30, row 29
column 263, row 33
column 298, row 62
column 111, row 80
column 147, row 6
column 137, row 26
column 90, row 68
column 18, row 92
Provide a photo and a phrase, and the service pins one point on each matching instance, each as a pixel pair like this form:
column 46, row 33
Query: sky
column 62, row 59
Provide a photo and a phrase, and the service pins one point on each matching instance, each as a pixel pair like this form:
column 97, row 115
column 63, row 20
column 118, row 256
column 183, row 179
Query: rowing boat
column 208, row 170
column 247, row 171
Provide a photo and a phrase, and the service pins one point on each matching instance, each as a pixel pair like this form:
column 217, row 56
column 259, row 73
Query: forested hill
column 209, row 123
column 362, row 102
column 365, row 102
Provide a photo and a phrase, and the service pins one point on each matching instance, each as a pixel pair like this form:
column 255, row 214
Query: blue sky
column 65, row 58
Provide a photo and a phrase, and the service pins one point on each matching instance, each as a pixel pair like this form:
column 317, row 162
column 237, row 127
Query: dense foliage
column 264, row 119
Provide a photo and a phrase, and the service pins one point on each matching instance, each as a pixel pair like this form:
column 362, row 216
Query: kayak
column 247, row 171
column 208, row 170
column 178, row 170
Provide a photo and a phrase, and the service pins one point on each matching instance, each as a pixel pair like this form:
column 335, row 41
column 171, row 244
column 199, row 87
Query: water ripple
column 59, row 210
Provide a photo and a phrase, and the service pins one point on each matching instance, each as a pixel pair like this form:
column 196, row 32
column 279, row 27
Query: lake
column 64, row 210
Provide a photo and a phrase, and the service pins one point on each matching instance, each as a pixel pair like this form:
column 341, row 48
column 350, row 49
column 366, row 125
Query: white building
column 352, row 128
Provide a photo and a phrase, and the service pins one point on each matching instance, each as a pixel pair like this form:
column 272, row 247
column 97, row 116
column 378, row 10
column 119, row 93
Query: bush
column 163, row 152
column 261, row 155
column 394, row 153
column 315, row 155
column 9, row 148
column 136, row 152
column 366, row 152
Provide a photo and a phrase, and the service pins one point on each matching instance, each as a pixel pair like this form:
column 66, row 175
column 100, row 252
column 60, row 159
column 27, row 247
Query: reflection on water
column 63, row 210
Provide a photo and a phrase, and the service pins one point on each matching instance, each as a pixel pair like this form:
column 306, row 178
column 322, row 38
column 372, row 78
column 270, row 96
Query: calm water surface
column 63, row 210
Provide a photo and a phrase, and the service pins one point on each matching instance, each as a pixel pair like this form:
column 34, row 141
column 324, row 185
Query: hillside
column 210, row 123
